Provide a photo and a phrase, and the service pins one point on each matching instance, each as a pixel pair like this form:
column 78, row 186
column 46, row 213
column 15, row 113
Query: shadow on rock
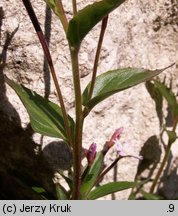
column 20, row 168
column 58, row 155
column 169, row 183
column 151, row 152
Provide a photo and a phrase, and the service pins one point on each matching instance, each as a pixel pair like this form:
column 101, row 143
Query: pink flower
column 126, row 150
column 116, row 136
column 90, row 153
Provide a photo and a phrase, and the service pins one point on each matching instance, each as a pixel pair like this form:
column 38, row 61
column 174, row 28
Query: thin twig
column 175, row 122
column 107, row 170
column 165, row 159
column 74, row 5
column 44, row 45
column 62, row 15
column 166, row 156
column 101, row 37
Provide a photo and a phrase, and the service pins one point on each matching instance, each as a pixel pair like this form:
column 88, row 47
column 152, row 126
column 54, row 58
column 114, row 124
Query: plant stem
column 79, row 124
column 74, row 5
column 44, row 45
column 175, row 122
column 107, row 170
column 62, row 15
column 103, row 28
column 166, row 157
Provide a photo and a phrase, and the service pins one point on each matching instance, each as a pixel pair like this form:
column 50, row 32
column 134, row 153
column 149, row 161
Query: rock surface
column 139, row 35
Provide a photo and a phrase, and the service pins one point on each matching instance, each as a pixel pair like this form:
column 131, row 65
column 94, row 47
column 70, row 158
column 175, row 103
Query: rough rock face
column 140, row 34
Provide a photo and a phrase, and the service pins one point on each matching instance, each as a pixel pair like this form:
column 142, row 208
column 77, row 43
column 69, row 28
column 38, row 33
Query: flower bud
column 116, row 136
column 90, row 153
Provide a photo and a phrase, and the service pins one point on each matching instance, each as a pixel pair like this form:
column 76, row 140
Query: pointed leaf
column 61, row 192
column 114, row 81
column 169, row 96
column 92, row 174
column 45, row 116
column 39, row 189
column 87, row 18
column 158, row 99
column 109, row 189
column 42, row 192
column 67, row 179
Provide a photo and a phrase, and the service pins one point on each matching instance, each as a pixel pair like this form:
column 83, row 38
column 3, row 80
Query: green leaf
column 45, row 117
column 109, row 189
column 92, row 175
column 87, row 18
column 67, row 179
column 39, row 189
column 158, row 98
column 169, row 96
column 114, row 81
column 61, row 192
column 25, row 187
column 150, row 196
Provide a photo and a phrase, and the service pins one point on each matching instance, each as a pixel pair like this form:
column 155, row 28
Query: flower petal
column 119, row 148
column 126, row 150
